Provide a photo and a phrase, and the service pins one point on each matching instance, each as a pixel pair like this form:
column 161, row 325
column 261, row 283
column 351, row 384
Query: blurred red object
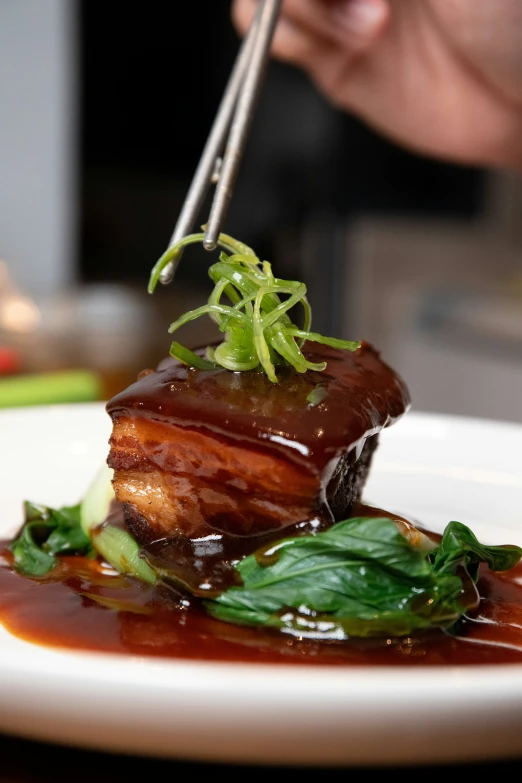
column 10, row 361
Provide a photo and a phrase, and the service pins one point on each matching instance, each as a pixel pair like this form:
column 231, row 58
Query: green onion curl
column 255, row 322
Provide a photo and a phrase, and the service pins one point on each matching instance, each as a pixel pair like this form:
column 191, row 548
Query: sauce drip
column 83, row 604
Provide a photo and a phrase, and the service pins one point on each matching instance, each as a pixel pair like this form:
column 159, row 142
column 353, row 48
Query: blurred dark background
column 105, row 111
column 151, row 84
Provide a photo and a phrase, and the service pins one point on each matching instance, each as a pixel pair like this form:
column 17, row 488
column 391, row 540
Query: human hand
column 442, row 77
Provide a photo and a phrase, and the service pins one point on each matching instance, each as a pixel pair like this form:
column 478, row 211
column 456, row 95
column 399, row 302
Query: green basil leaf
column 34, row 511
column 360, row 578
column 48, row 532
column 375, row 539
column 29, row 557
column 460, row 547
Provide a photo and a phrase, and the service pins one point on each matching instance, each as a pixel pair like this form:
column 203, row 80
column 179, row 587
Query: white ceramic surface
column 434, row 468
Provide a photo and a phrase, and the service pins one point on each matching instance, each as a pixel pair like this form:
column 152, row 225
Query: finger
column 352, row 23
column 292, row 42
column 242, row 14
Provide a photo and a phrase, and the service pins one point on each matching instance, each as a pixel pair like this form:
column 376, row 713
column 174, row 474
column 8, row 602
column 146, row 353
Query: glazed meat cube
column 199, row 452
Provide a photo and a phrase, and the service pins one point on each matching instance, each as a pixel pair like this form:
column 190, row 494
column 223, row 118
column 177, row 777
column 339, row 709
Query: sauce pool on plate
column 83, row 604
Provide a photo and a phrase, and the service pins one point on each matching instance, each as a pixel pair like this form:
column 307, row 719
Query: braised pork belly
column 200, row 452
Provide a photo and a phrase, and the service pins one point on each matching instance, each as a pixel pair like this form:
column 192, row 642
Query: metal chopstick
column 202, row 178
column 241, row 122
column 235, row 112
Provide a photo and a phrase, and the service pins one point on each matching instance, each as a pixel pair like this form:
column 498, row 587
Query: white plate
column 435, row 468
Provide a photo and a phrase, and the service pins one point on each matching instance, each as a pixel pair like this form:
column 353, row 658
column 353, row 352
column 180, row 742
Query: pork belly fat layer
column 183, row 480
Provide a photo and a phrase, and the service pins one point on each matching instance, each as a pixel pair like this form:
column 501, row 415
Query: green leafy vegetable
column 81, row 529
column 96, row 502
column 46, row 533
column 459, row 548
column 122, row 552
column 114, row 544
column 258, row 331
column 361, row 578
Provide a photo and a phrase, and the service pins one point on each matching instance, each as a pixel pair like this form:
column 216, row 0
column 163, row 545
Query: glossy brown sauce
column 82, row 604
column 248, row 407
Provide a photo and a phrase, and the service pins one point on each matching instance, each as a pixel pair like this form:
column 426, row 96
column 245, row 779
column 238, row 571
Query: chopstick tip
column 209, row 244
column 167, row 274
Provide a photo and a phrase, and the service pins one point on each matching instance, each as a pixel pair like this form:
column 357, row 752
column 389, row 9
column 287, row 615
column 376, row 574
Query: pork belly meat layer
column 200, row 451
column 180, row 479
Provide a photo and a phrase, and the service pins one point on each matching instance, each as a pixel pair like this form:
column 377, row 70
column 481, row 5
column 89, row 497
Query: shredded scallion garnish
column 257, row 328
